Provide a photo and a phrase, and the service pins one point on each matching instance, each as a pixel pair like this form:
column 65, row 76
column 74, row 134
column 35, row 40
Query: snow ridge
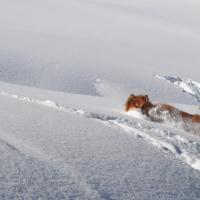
column 160, row 137
column 188, row 86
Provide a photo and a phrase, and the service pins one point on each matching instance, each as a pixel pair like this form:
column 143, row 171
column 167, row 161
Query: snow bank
column 186, row 85
column 160, row 137
column 123, row 41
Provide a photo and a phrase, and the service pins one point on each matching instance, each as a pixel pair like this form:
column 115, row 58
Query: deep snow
column 56, row 145
column 66, row 45
column 64, row 146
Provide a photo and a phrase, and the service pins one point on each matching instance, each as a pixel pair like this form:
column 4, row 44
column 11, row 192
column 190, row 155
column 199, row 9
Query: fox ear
column 147, row 98
column 130, row 98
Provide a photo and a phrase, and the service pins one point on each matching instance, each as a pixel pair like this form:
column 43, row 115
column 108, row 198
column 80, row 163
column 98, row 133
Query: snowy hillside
column 64, row 146
column 65, row 45
column 66, row 69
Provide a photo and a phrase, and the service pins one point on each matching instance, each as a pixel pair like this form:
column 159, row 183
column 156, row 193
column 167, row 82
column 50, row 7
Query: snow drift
column 188, row 86
column 66, row 45
column 56, row 145
column 157, row 135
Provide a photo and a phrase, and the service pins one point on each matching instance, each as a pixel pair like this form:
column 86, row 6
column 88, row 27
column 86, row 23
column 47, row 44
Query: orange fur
column 135, row 102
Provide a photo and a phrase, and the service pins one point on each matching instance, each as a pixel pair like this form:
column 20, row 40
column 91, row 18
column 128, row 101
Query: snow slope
column 57, row 145
column 66, row 45
column 63, row 146
column 188, row 86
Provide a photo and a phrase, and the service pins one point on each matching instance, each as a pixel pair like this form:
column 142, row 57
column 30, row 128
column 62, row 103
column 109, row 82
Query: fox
column 154, row 111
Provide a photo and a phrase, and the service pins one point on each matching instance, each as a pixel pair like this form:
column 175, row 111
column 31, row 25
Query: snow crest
column 160, row 137
column 188, row 86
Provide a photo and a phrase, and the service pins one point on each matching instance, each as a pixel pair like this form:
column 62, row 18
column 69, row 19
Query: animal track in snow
column 162, row 138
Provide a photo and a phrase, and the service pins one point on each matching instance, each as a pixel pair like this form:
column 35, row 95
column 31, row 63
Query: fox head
column 136, row 102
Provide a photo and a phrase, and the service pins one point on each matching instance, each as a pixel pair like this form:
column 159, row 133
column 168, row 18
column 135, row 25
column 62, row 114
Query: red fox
column 152, row 110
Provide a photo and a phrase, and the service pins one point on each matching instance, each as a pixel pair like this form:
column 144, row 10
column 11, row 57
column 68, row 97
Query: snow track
column 160, row 137
column 42, row 171
column 36, row 164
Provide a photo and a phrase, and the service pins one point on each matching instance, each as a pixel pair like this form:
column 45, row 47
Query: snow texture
column 74, row 146
column 188, row 86
column 66, row 45
column 64, row 146
column 182, row 148
column 55, row 146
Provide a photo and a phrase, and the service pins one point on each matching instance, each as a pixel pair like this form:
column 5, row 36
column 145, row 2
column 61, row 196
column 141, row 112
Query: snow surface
column 188, row 86
column 57, row 145
column 65, row 45
column 64, row 146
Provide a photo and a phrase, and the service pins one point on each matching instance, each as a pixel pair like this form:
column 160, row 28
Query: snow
column 66, row 45
column 72, row 64
column 136, row 113
column 188, row 86
column 65, row 148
